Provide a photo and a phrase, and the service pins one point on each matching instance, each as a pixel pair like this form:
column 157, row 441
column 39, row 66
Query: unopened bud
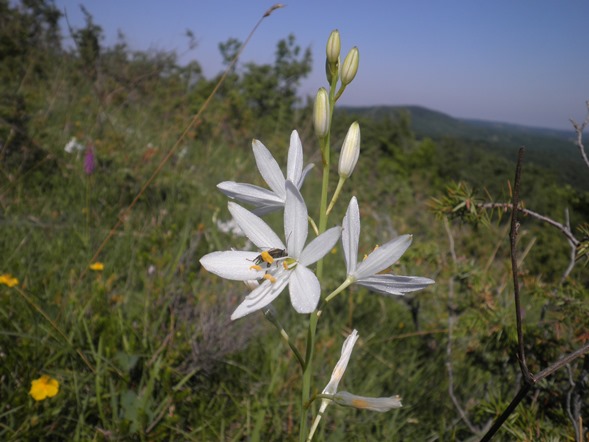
column 333, row 47
column 321, row 113
column 350, row 66
column 350, row 152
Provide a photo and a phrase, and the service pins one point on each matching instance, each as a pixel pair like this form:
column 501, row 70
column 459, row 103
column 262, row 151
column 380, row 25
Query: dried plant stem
column 579, row 131
column 194, row 123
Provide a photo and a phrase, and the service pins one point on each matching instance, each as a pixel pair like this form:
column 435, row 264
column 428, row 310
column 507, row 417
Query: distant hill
column 550, row 148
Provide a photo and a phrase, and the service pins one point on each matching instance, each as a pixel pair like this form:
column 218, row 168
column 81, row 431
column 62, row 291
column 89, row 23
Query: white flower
column 383, row 257
column 380, row 404
column 290, row 270
column 266, row 200
column 344, row 398
column 342, row 364
column 73, row 145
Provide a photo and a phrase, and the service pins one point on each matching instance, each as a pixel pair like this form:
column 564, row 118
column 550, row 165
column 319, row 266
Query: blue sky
column 519, row 61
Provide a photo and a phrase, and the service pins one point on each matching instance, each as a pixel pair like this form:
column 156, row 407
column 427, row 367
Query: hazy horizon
column 519, row 63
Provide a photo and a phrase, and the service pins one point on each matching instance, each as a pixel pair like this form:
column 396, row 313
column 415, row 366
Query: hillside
column 549, row 148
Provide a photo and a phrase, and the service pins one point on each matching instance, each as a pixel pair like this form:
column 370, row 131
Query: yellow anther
column 285, row 265
column 269, row 277
column 266, row 257
column 255, row 267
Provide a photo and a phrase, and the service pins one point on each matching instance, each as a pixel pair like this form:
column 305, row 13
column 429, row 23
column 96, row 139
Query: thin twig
column 509, row 206
column 579, row 131
column 194, row 123
column 513, row 233
column 522, row 393
column 573, row 253
column 572, row 416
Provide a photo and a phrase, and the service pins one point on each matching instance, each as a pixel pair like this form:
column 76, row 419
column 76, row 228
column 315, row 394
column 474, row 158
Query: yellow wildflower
column 97, row 266
column 44, row 387
column 8, row 279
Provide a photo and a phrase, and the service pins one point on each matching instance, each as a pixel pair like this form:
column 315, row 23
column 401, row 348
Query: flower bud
column 350, row 66
column 350, row 152
column 333, row 47
column 380, row 404
column 321, row 113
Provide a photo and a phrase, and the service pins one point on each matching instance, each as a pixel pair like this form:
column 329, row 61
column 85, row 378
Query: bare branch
column 573, row 254
column 509, row 206
column 579, row 131
column 513, row 233
column 573, row 415
column 529, row 380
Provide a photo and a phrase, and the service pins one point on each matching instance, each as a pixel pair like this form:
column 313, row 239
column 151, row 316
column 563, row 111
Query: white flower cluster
column 278, row 265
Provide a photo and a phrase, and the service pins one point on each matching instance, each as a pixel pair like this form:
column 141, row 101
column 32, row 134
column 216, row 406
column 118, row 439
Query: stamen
column 266, row 257
column 255, row 267
column 269, row 277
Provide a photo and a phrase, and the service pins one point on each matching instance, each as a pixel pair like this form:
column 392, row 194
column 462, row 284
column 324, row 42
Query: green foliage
column 144, row 350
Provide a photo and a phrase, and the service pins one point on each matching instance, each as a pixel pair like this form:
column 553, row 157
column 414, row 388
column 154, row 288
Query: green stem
column 349, row 281
column 323, row 215
column 338, row 189
column 269, row 314
column 307, row 372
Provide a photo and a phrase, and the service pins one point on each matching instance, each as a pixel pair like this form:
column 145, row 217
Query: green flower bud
column 321, row 113
column 350, row 66
column 350, row 152
column 333, row 47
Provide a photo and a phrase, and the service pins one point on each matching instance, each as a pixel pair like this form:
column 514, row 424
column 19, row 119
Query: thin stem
column 313, row 225
column 338, row 189
column 195, row 122
column 307, row 371
column 563, row 228
column 579, row 131
column 522, row 393
column 271, row 317
column 323, row 215
column 521, row 355
column 338, row 290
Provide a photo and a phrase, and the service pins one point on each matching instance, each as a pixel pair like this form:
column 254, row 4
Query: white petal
column 380, row 404
column 320, row 246
column 295, row 158
column 306, row 170
column 255, row 228
column 232, row 264
column 383, row 257
column 351, row 235
column 261, row 296
column 296, row 225
column 394, row 285
column 248, row 193
column 342, row 364
column 269, row 168
column 304, row 289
